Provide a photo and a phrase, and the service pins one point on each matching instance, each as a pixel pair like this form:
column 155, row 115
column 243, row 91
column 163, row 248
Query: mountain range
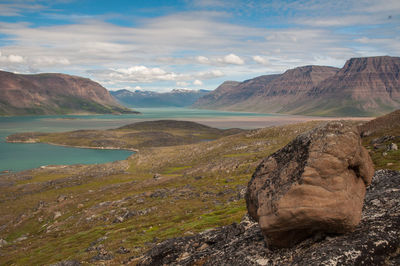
column 174, row 98
column 52, row 93
column 366, row 86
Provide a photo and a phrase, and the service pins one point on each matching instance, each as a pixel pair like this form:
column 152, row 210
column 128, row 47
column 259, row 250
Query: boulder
column 314, row 184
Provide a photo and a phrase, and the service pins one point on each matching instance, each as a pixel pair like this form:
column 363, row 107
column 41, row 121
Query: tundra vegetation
column 117, row 211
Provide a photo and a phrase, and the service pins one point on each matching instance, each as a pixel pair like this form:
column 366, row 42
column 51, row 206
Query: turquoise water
column 17, row 156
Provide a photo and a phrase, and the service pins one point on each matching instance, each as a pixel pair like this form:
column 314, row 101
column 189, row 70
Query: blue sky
column 163, row 45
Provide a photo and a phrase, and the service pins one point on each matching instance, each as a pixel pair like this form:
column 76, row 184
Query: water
column 18, row 156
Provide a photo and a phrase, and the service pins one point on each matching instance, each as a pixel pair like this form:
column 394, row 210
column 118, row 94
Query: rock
column 22, row 238
column 375, row 241
column 80, row 206
column 382, row 139
column 123, row 250
column 61, row 198
column 314, row 184
column 118, row 219
column 67, row 263
column 57, row 215
column 392, row 147
column 157, row 176
column 102, row 255
column 3, row 242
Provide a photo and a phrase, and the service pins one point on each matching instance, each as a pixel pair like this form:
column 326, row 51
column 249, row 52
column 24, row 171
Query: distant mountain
column 54, row 94
column 363, row 87
column 175, row 98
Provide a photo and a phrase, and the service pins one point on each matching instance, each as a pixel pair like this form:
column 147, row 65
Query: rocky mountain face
column 364, row 86
column 53, row 94
column 174, row 98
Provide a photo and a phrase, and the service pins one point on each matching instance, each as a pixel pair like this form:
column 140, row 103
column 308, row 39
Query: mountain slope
column 175, row 98
column 364, row 86
column 269, row 92
column 53, row 94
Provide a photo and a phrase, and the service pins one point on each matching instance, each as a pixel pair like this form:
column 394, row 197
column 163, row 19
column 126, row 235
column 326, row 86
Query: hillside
column 114, row 212
column 42, row 94
column 174, row 98
column 363, row 87
column 135, row 136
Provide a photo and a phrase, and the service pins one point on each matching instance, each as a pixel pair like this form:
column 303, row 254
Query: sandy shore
column 249, row 122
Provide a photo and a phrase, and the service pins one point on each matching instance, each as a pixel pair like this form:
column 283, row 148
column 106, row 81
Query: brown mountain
column 53, row 94
column 364, row 86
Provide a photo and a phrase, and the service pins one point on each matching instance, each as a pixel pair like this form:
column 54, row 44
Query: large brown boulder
column 314, row 184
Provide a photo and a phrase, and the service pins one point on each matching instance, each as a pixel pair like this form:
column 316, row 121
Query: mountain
column 175, row 98
column 54, row 94
column 363, row 87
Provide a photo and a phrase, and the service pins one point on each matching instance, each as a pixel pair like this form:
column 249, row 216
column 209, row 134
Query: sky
column 162, row 45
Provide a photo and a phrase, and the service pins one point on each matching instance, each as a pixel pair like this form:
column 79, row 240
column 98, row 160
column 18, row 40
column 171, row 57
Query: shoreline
column 71, row 146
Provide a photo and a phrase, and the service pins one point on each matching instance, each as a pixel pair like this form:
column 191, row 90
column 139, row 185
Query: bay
column 18, row 156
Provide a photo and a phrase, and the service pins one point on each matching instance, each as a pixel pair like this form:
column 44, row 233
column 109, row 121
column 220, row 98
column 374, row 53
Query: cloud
column 197, row 82
column 16, row 8
column 143, row 74
column 11, row 58
column 203, row 60
column 182, row 47
column 209, row 74
column 261, row 60
column 182, row 83
column 231, row 59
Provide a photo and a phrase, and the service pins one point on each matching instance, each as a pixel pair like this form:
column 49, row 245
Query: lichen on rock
column 314, row 184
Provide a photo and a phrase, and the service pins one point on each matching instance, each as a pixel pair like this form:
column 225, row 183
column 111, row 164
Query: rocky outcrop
column 53, row 94
column 364, row 86
column 314, row 184
column 375, row 241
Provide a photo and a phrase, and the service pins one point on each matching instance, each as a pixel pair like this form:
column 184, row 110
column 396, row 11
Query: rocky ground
column 376, row 241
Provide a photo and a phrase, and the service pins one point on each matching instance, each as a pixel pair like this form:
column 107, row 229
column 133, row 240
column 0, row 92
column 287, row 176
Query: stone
column 314, row 184
column 392, row 147
column 57, row 215
column 61, row 198
column 102, row 255
column 3, row 242
column 157, row 176
column 123, row 250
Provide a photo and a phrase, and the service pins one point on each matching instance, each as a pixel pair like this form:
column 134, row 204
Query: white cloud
column 209, row 74
column 231, row 59
column 11, row 58
column 50, row 61
column 260, row 60
column 197, row 82
column 143, row 74
column 203, row 60
column 182, row 84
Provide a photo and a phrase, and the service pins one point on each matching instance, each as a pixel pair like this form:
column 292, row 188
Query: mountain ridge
column 54, row 93
column 362, row 87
